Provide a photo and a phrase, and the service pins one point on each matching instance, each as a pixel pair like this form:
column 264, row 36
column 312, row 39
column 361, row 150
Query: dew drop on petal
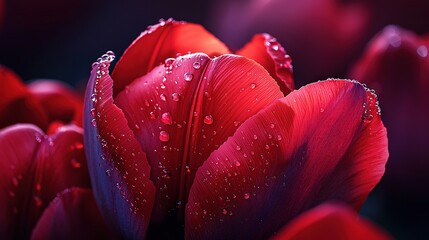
column 224, row 211
column 196, row 65
column 208, row 119
column 166, row 118
column 162, row 96
column 238, row 148
column 75, row 163
column 237, row 163
column 164, row 136
column 253, row 85
column 188, row 76
column 175, row 97
column 279, row 137
column 246, row 196
column 94, row 122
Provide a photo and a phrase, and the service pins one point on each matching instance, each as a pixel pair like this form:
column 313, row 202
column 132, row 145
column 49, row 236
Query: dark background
column 59, row 39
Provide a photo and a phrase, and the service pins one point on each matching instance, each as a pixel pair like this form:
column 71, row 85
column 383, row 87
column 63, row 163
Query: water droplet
column 237, row 163
column 188, row 76
column 162, row 96
column 322, row 110
column 255, row 137
column 168, row 62
column 93, row 112
column 272, row 125
column 246, row 196
column 279, row 137
column 94, row 122
column 224, row 211
column 166, row 118
column 108, row 172
column 422, row 51
column 238, row 148
column 267, row 146
column 236, row 123
column 94, row 97
column 152, row 115
column 164, row 136
column 75, row 163
column 253, row 85
column 175, row 97
column 196, row 65
column 208, row 119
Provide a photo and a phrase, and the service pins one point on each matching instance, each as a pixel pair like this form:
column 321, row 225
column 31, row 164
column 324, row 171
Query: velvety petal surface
column 325, row 141
column 265, row 50
column 73, row 214
column 58, row 101
column 181, row 111
column 118, row 166
column 159, row 42
column 16, row 103
column 35, row 167
column 330, row 221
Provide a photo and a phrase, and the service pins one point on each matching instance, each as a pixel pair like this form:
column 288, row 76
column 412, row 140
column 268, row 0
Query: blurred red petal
column 159, row 42
column 178, row 114
column 316, row 144
column 35, row 169
column 396, row 64
column 73, row 214
column 59, row 101
column 118, row 167
column 330, row 221
column 265, row 50
column 19, row 144
column 16, row 103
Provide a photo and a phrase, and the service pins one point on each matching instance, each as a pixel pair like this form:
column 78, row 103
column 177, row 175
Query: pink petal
column 265, row 50
column 316, row 144
column 159, row 42
column 182, row 112
column 73, row 214
column 118, row 166
column 330, row 221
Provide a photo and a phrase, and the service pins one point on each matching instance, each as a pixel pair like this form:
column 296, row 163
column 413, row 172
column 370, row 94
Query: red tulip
column 37, row 168
column 331, row 221
column 213, row 142
column 42, row 103
column 396, row 64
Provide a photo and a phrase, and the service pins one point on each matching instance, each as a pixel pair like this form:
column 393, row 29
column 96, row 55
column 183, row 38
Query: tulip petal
column 331, row 221
column 265, row 50
column 16, row 104
column 177, row 113
column 35, row 169
column 316, row 144
column 159, row 42
column 118, row 167
column 19, row 145
column 59, row 102
column 73, row 214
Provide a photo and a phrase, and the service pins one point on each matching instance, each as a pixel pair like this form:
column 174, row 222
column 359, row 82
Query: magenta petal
column 316, row 144
column 73, row 214
column 118, row 167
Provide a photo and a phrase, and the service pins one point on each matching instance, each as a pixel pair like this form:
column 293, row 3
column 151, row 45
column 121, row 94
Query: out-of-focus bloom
column 322, row 35
column 396, row 64
column 44, row 182
column 42, row 102
column 212, row 143
column 331, row 221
